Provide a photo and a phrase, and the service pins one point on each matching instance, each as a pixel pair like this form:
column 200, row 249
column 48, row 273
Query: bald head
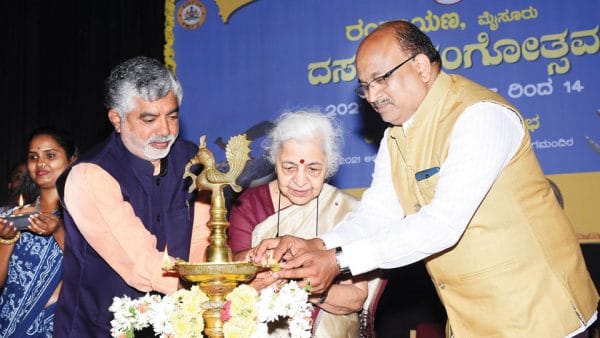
column 396, row 67
column 409, row 39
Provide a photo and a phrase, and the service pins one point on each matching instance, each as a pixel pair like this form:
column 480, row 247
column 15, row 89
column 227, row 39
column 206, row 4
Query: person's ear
column 424, row 67
column 115, row 119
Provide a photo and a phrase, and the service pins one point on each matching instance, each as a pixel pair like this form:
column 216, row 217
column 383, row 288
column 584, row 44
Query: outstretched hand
column 7, row 229
column 303, row 259
column 44, row 224
column 264, row 279
column 319, row 268
column 286, row 247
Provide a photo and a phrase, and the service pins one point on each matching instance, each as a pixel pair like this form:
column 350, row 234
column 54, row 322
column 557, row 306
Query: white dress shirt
column 378, row 235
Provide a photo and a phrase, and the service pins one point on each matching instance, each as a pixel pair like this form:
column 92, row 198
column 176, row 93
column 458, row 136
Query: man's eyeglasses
column 380, row 81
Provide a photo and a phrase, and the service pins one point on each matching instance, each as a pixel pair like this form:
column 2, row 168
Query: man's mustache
column 157, row 138
column 376, row 104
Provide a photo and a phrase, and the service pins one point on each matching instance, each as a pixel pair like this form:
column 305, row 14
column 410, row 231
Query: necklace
column 279, row 209
column 39, row 209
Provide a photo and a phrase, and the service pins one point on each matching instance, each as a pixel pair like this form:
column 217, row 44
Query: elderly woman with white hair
column 304, row 148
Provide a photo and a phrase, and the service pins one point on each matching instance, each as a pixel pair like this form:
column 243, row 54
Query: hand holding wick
column 287, row 247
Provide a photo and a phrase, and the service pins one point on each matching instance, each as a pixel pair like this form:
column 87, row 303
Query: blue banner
column 242, row 63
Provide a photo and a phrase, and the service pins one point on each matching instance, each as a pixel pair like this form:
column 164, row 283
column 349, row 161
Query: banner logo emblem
column 191, row 14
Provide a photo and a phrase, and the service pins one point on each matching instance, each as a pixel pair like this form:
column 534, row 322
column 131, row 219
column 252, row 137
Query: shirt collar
column 406, row 125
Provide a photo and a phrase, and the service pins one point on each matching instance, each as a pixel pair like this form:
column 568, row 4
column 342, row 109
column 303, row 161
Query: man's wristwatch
column 341, row 263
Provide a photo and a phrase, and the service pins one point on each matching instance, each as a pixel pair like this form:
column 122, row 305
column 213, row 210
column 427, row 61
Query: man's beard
column 152, row 153
column 143, row 148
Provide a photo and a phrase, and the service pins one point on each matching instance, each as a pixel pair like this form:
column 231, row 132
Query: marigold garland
column 169, row 52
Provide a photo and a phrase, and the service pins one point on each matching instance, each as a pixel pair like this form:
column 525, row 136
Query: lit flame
column 21, row 201
column 166, row 262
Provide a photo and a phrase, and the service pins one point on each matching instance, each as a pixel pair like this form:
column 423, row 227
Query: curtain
column 53, row 61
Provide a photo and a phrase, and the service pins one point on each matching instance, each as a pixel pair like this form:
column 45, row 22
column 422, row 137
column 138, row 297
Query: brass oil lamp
column 219, row 275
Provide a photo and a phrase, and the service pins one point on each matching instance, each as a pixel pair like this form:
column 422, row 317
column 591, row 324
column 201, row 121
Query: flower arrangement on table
column 246, row 312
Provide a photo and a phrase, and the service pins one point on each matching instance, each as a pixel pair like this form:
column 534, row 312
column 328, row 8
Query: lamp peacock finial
column 237, row 153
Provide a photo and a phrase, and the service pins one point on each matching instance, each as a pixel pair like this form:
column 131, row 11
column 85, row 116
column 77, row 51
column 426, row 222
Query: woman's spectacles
column 379, row 82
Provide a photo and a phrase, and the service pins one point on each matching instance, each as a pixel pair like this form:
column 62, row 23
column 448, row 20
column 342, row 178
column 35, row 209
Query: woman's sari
column 301, row 221
column 34, row 272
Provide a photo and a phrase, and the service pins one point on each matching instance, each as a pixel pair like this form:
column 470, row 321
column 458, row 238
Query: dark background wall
column 53, row 61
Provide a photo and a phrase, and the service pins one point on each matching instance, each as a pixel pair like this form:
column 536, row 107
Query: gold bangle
column 12, row 240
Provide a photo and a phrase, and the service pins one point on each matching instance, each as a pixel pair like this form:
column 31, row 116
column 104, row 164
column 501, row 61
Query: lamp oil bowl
column 21, row 221
column 238, row 272
column 218, row 276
